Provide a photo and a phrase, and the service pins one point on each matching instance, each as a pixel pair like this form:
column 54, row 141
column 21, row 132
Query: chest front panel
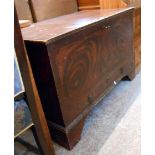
column 86, row 62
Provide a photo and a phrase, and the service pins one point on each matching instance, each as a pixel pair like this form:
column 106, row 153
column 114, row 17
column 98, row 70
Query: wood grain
column 88, row 2
column 109, row 4
column 104, row 4
column 88, row 7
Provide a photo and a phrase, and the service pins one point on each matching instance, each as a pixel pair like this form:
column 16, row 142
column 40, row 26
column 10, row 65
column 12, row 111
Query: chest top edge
column 50, row 30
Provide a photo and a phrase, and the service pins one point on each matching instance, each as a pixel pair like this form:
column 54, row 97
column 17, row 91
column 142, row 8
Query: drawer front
column 83, row 62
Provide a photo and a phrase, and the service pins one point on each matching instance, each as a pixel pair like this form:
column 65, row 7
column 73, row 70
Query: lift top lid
column 51, row 29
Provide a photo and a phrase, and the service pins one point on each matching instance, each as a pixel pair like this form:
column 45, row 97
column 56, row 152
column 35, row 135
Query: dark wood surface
column 49, row 30
column 88, row 4
column 77, row 62
column 33, row 98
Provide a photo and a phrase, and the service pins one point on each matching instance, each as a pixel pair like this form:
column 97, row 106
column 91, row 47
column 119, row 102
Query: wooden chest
column 76, row 59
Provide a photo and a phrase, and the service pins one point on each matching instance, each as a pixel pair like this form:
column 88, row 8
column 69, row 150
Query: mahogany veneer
column 76, row 60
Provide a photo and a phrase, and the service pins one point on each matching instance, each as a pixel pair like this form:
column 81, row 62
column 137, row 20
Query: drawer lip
column 26, row 32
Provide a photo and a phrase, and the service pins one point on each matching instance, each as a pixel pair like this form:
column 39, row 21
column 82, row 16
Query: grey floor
column 112, row 127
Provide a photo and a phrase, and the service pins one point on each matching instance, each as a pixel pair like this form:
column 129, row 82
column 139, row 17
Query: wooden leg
column 68, row 136
column 130, row 76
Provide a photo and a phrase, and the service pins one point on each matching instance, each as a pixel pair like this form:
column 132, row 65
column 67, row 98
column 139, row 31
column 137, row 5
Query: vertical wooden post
column 38, row 116
column 110, row 4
